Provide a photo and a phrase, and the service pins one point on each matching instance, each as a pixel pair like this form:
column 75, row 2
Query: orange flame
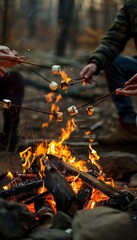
column 65, row 77
column 59, row 149
column 49, row 97
column 58, row 98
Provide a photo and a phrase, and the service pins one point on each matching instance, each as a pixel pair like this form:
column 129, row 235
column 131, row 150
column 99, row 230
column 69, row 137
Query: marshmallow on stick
column 72, row 110
column 53, row 85
column 56, row 69
column 6, row 103
column 63, row 85
column 90, row 110
column 59, row 116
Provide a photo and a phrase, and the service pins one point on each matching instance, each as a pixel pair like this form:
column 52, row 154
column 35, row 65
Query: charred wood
column 32, row 199
column 120, row 202
column 22, row 191
column 84, row 194
column 27, row 176
column 43, row 209
column 65, row 198
column 87, row 178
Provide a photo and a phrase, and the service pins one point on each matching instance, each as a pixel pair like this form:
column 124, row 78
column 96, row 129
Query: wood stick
column 43, row 209
column 65, row 198
column 87, row 178
column 84, row 194
column 22, row 189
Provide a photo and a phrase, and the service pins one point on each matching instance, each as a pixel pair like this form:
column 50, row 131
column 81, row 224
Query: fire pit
column 56, row 180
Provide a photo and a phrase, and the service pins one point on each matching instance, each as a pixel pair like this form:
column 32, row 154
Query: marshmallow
column 56, row 69
column 59, row 116
column 53, row 85
column 90, row 110
column 72, row 110
column 6, row 103
column 63, row 85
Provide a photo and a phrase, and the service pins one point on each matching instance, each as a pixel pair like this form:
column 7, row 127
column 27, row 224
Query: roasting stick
column 7, row 104
column 56, row 69
column 32, row 109
column 74, row 83
column 37, row 65
column 99, row 100
column 35, row 72
column 33, row 64
column 47, row 67
column 52, row 85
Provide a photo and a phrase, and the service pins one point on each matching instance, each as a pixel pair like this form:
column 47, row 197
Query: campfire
column 53, row 180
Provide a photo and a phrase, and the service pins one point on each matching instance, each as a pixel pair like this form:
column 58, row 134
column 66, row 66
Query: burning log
column 32, row 199
column 84, row 194
column 22, row 191
column 26, row 176
column 65, row 198
column 89, row 179
column 119, row 202
column 43, row 209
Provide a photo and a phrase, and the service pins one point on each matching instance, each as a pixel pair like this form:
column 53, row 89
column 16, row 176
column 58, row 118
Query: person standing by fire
column 118, row 70
column 12, row 88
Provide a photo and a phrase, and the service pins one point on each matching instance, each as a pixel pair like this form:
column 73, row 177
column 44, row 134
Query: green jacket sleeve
column 114, row 40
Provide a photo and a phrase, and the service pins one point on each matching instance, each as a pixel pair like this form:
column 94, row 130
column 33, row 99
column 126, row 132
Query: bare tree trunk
column 5, row 22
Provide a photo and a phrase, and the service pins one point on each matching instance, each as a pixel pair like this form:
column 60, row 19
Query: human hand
column 130, row 89
column 9, row 60
column 88, row 71
column 7, row 50
column 2, row 71
column 9, row 57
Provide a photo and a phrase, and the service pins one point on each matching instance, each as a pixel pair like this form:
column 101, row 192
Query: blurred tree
column 4, row 22
column 65, row 21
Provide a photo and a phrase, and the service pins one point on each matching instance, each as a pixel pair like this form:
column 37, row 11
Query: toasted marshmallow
column 56, row 69
column 63, row 85
column 6, row 103
column 90, row 110
column 72, row 110
column 59, row 116
column 53, row 85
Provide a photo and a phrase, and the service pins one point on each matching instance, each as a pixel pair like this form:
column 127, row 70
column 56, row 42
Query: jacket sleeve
column 113, row 41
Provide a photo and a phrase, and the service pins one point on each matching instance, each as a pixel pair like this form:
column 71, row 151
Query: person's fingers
column 131, row 87
column 133, row 80
column 127, row 91
column 10, row 60
column 2, row 71
column 5, row 50
column 14, row 53
column 88, row 71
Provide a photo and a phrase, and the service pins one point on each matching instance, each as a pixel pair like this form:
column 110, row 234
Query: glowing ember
column 10, row 175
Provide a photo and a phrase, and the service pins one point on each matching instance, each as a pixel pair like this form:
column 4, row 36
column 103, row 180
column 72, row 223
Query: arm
column 130, row 88
column 111, row 44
